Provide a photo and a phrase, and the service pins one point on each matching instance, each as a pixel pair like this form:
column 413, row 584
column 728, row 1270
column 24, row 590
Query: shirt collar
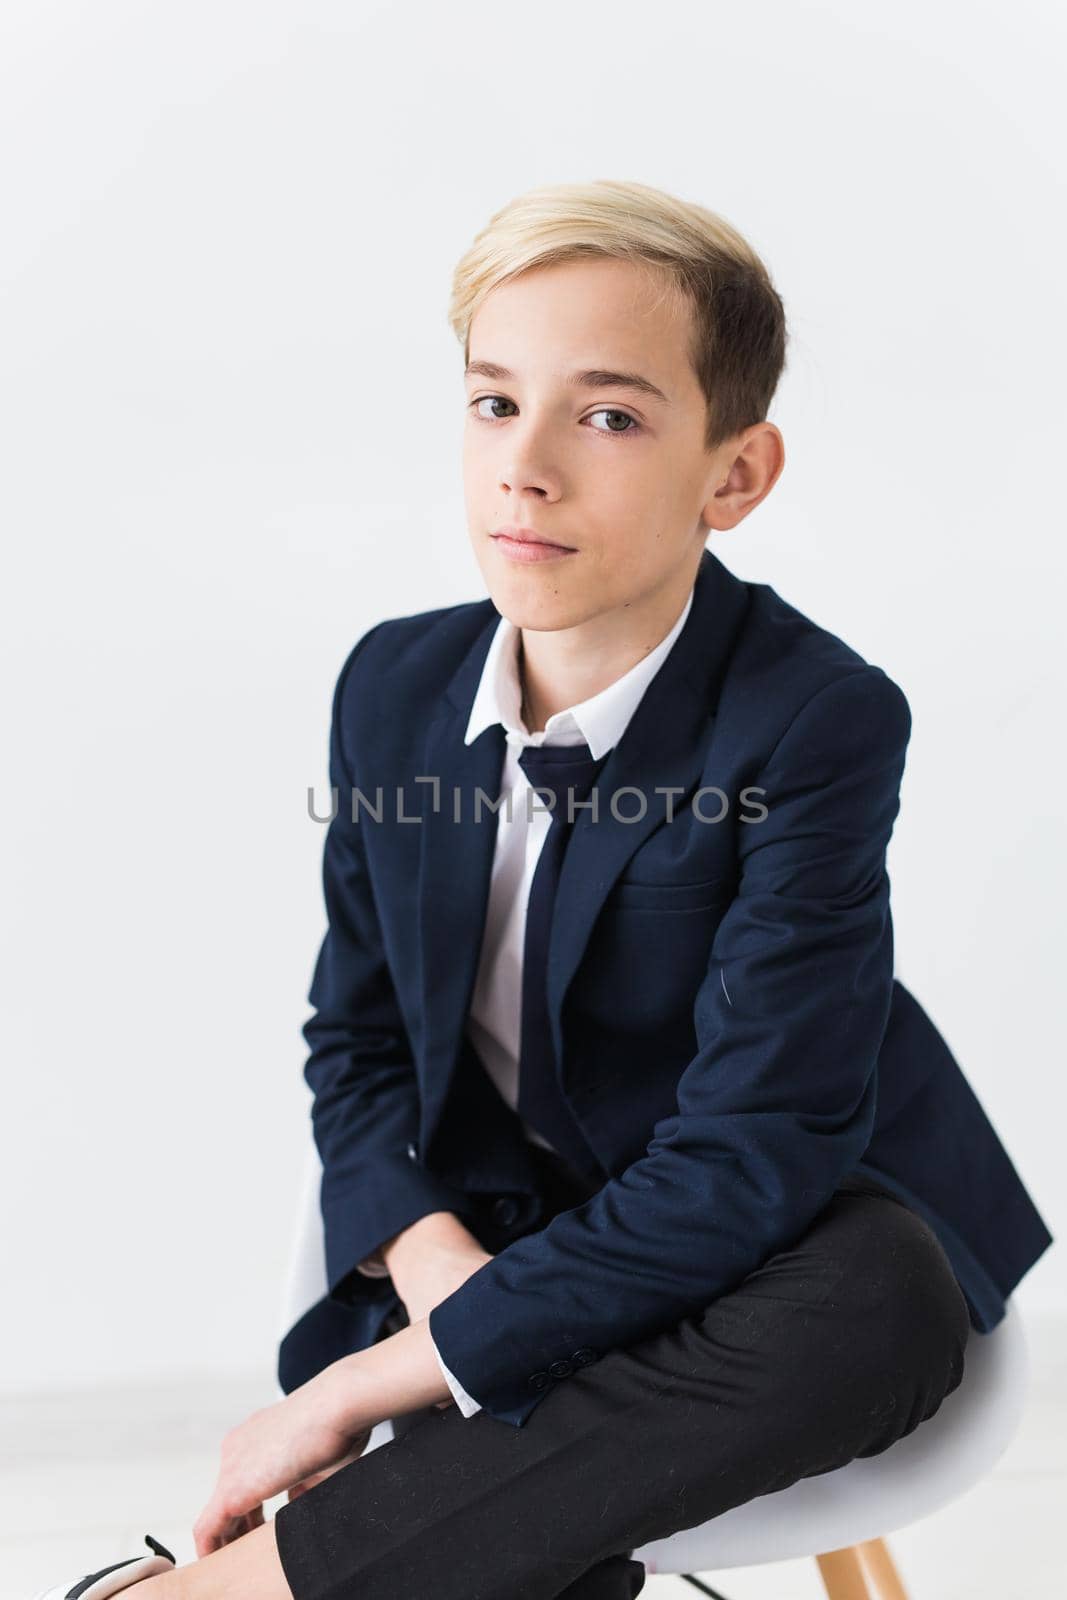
column 599, row 721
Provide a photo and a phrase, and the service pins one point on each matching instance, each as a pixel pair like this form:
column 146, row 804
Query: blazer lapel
column 455, row 869
column 663, row 747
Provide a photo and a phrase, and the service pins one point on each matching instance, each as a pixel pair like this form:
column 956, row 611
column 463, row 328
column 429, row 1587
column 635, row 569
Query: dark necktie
column 562, row 768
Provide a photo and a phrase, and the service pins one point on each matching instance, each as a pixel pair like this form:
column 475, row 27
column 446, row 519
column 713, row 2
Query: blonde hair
column 739, row 335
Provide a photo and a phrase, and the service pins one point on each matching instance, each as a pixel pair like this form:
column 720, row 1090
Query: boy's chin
column 545, row 613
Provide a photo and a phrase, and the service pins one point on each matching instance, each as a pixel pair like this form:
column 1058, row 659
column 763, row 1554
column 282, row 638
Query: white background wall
column 230, row 411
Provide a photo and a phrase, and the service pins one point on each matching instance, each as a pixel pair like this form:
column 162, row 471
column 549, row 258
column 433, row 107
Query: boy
column 620, row 1107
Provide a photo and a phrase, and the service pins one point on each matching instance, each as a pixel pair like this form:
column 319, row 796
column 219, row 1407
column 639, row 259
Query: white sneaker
column 109, row 1580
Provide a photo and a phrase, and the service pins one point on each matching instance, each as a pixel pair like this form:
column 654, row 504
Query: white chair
column 840, row 1517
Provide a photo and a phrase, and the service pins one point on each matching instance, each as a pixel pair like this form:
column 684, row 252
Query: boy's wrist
column 390, row 1378
column 428, row 1236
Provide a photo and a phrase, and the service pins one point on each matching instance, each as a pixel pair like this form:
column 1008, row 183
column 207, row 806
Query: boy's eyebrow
column 593, row 378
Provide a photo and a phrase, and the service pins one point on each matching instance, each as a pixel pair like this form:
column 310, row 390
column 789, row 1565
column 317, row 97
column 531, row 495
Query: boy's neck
column 561, row 675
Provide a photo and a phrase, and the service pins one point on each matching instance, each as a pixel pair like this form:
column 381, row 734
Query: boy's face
column 620, row 477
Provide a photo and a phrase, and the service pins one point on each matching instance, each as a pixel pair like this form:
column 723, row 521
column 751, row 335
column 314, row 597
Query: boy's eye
column 605, row 411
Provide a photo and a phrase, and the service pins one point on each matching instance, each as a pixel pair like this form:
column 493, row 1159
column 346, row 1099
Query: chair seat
column 874, row 1495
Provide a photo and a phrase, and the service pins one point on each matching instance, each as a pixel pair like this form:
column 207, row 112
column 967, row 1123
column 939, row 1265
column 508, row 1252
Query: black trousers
column 832, row 1349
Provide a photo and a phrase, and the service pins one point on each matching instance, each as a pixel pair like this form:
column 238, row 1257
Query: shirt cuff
column 464, row 1401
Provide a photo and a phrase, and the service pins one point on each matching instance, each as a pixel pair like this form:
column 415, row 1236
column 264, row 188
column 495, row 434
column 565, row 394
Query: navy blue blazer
column 729, row 1033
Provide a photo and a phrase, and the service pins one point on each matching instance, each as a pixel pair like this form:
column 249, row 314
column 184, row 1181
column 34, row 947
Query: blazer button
column 538, row 1380
column 413, row 1154
column 505, row 1210
column 561, row 1369
column 583, row 1357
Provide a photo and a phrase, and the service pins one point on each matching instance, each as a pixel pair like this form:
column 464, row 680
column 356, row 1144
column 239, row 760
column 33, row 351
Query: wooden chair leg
column 842, row 1574
column 861, row 1572
column 883, row 1579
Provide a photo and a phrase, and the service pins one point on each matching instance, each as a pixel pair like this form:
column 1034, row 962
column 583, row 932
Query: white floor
column 83, row 1477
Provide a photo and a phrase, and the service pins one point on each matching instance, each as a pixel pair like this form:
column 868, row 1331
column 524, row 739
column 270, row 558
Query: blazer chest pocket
column 698, row 896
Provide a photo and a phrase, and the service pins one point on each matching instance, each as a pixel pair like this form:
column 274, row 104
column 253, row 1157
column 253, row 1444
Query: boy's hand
column 296, row 1441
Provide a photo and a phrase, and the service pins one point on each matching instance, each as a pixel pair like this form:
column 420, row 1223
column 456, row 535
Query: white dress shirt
column 495, row 1017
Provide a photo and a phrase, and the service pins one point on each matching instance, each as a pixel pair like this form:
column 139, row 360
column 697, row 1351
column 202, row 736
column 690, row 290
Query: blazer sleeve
column 365, row 1110
column 775, row 1107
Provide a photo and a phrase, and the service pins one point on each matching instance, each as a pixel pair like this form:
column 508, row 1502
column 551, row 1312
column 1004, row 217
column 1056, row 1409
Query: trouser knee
column 910, row 1322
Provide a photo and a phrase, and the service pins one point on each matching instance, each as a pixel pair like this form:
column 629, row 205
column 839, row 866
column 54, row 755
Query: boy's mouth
column 516, row 535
